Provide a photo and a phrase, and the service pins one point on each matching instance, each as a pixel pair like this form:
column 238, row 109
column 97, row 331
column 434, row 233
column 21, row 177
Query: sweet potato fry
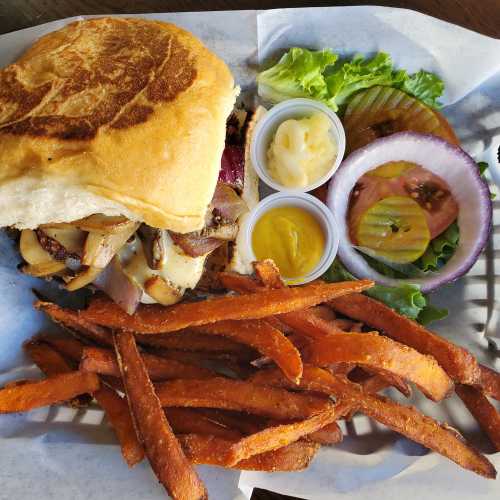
column 72, row 321
column 243, row 422
column 103, row 362
column 52, row 363
column 219, row 362
column 189, row 421
column 276, row 437
column 403, row 419
column 460, row 365
column 308, row 322
column 489, row 381
column 162, row 448
column 239, row 395
column 118, row 414
column 192, row 341
column 240, row 283
column 263, row 337
column 483, row 411
column 47, row 392
column 211, row 450
column 159, row 319
column 268, row 273
column 67, row 346
column 373, row 350
column 328, row 435
column 381, row 379
column 46, row 358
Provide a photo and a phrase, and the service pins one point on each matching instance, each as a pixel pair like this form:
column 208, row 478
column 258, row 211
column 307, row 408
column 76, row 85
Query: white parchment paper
column 73, row 454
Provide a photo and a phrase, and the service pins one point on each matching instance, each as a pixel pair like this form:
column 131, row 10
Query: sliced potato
column 164, row 293
column 31, row 250
column 44, row 268
column 100, row 248
column 83, row 278
column 71, row 238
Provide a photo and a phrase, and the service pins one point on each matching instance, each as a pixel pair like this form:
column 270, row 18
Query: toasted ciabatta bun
column 113, row 116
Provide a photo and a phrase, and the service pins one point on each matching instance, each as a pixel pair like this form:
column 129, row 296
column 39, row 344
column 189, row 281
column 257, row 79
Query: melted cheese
column 178, row 269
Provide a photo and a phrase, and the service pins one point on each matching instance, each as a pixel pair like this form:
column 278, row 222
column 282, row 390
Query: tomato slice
column 404, row 179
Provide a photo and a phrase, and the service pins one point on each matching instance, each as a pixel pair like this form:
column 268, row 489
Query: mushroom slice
column 100, row 248
column 162, row 291
column 226, row 232
column 103, row 223
column 154, row 241
column 31, row 250
column 44, row 268
column 40, row 262
column 86, row 276
column 70, row 238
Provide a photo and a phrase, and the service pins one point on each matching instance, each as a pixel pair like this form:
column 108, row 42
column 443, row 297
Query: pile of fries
column 256, row 379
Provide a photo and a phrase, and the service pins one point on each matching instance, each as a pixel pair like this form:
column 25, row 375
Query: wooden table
column 479, row 15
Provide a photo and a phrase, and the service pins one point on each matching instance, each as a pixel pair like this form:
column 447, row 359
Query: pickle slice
column 392, row 169
column 395, row 228
column 381, row 111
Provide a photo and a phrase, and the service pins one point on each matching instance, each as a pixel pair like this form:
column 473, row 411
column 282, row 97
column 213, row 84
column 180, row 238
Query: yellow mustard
column 292, row 237
column 302, row 151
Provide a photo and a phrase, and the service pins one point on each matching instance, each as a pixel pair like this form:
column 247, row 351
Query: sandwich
column 123, row 159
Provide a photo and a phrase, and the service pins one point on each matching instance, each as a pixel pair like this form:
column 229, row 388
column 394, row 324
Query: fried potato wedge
column 159, row 319
column 373, row 350
column 103, row 362
column 275, row 437
column 164, row 452
column 406, row 420
column 239, row 395
column 72, row 321
column 263, row 337
column 47, row 392
column 460, row 365
column 190, row 421
column 117, row 411
column 486, row 415
column 211, row 450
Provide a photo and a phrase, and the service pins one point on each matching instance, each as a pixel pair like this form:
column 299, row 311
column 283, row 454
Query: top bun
column 113, row 116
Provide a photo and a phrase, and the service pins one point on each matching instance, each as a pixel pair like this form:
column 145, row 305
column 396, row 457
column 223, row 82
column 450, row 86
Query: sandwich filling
column 133, row 262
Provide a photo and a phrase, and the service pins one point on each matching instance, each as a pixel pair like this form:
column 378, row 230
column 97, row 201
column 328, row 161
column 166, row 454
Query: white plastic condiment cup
column 316, row 208
column 266, row 129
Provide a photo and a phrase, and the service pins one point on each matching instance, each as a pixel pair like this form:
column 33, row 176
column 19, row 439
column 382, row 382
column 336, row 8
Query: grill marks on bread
column 97, row 73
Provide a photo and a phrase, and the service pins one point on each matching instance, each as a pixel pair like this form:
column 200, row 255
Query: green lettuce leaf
column 318, row 75
column 299, row 73
column 424, row 86
column 483, row 166
column 406, row 299
column 440, row 249
column 360, row 73
column 431, row 313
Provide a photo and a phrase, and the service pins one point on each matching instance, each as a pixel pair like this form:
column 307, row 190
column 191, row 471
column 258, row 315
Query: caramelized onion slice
column 100, row 248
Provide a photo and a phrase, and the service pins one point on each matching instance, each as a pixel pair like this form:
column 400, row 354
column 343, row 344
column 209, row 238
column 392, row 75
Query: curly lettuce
column 440, row 249
column 320, row 75
column 406, row 299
